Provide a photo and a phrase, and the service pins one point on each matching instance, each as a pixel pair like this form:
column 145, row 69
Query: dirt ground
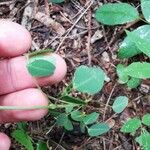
column 71, row 31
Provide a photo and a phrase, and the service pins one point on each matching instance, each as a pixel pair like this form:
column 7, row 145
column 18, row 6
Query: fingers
column 25, row 98
column 14, row 75
column 4, row 142
column 14, row 39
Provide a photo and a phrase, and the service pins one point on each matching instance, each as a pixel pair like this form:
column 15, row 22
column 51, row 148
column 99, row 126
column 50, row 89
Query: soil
column 87, row 42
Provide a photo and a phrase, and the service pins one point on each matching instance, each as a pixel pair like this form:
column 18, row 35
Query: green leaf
column 77, row 115
column 56, row 1
column 91, row 118
column 131, row 125
column 120, row 104
column 98, row 129
column 138, row 70
column 41, row 146
column 128, row 48
column 69, row 108
column 73, row 100
column 146, row 120
column 68, row 125
column 41, row 66
column 23, row 138
column 142, row 44
column 144, row 140
column 123, row 78
column 116, row 13
column 133, row 83
column 63, row 120
column 88, row 79
column 145, row 5
column 82, row 127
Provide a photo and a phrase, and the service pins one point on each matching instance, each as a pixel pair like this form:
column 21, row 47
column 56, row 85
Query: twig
column 49, row 22
column 27, row 15
column 80, row 27
column 107, row 103
column 46, row 7
column 73, row 26
column 60, row 141
column 7, row 3
column 89, row 37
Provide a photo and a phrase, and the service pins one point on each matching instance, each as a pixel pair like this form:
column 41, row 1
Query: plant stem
column 51, row 106
column 22, row 107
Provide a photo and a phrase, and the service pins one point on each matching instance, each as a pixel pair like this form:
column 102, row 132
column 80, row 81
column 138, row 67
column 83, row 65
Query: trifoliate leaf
column 116, row 13
column 128, row 48
column 98, row 129
column 90, row 118
column 120, row 104
column 131, row 125
column 138, row 70
column 146, row 120
column 88, row 79
column 41, row 66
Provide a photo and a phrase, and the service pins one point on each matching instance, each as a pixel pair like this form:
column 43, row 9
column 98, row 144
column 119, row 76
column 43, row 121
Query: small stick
column 89, row 37
column 49, row 22
column 46, row 7
column 107, row 103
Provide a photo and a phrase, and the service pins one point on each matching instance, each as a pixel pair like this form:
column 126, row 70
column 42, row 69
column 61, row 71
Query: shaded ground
column 84, row 42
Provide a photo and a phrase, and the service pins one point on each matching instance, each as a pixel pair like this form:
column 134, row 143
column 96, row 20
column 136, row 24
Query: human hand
column 17, row 87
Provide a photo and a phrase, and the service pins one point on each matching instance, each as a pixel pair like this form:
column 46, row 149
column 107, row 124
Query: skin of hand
column 17, row 87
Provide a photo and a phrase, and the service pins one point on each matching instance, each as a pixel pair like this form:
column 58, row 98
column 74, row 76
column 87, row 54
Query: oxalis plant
column 136, row 42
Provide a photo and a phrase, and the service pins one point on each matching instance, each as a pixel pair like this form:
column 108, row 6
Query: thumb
column 4, row 142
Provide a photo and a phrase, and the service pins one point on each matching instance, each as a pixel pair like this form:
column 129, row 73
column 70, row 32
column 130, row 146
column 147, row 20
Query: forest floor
column 79, row 39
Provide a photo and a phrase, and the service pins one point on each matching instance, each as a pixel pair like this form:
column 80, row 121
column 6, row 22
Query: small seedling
column 22, row 137
column 134, row 124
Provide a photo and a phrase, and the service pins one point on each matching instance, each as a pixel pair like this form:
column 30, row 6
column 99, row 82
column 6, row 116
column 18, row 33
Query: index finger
column 14, row 39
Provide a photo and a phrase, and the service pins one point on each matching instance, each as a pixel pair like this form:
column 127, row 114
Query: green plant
column 68, row 109
column 134, row 124
column 136, row 42
column 22, row 137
